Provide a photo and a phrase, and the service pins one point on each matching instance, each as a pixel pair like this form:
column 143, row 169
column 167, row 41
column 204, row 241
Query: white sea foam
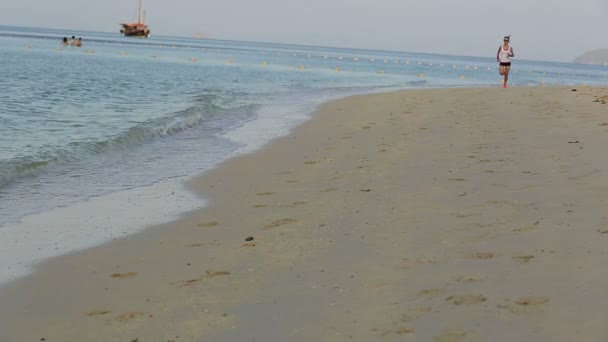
column 90, row 223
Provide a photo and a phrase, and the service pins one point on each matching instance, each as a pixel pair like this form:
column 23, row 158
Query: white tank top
column 504, row 54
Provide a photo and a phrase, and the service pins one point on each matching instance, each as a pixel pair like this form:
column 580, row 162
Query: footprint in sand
column 501, row 203
column 192, row 282
column 467, row 279
column 124, row 275
column 96, row 313
column 468, row 299
column 188, row 283
column 487, row 225
column 415, row 313
column 265, row 193
column 197, row 245
column 260, row 206
column 461, row 215
column 525, row 305
column 523, row 259
column 430, row 293
column 296, row 204
column 311, row 162
column 408, row 263
column 280, row 222
column 208, row 224
column 397, row 332
column 532, row 301
column 483, row 255
column 452, row 335
column 212, row 274
column 528, row 228
column 130, row 316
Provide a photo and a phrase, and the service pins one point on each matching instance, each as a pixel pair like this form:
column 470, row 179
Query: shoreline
column 397, row 216
column 51, row 240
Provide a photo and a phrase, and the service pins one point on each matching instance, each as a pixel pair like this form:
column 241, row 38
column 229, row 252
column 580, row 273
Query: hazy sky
column 557, row 30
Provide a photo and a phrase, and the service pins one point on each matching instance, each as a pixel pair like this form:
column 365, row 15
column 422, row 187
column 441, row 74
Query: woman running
column 504, row 54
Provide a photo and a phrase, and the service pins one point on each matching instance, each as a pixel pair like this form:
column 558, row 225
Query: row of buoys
column 261, row 52
column 357, row 59
column 124, row 53
column 302, row 67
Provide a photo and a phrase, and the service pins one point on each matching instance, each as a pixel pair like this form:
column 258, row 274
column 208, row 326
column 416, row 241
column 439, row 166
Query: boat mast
column 139, row 13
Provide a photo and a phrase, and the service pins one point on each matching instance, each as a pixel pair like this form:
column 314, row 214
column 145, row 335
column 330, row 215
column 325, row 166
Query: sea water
column 96, row 141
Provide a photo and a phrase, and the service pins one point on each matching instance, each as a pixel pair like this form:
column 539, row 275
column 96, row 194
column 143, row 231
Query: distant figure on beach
column 73, row 43
column 503, row 56
column 79, row 42
column 65, row 41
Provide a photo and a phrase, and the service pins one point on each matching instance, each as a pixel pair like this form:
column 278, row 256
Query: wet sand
column 431, row 215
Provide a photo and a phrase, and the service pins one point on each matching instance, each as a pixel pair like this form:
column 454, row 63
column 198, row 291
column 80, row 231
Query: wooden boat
column 138, row 29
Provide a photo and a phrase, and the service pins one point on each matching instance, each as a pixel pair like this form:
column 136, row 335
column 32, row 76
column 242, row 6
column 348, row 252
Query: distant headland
column 596, row 57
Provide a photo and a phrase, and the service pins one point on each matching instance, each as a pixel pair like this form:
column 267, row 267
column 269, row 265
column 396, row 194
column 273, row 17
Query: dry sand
column 435, row 215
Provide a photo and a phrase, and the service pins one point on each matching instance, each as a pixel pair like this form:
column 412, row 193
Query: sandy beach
column 427, row 215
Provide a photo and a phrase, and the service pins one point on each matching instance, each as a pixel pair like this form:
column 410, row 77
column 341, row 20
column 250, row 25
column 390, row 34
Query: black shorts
column 505, row 64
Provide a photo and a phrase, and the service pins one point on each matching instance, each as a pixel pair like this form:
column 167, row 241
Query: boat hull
column 135, row 31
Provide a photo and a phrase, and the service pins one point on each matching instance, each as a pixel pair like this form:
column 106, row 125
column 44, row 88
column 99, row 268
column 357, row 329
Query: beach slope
column 427, row 215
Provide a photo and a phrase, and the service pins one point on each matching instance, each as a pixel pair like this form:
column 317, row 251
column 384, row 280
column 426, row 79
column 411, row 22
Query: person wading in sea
column 503, row 56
